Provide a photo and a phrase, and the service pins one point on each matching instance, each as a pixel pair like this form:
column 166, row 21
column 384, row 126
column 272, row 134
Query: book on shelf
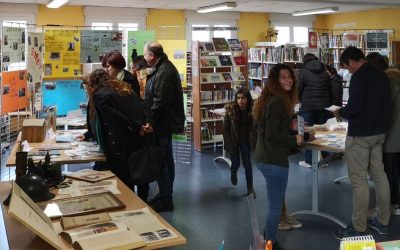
column 204, row 62
column 239, row 60
column 203, row 78
column 215, row 77
column 225, row 60
column 220, row 44
column 237, row 76
column 256, row 54
column 207, row 47
column 209, row 61
column 235, row 45
column 206, row 132
column 227, row 76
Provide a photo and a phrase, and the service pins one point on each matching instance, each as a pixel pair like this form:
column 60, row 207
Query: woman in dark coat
column 120, row 123
column 115, row 64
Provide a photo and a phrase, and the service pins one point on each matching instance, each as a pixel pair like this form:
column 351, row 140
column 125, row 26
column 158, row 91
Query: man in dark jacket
column 164, row 96
column 367, row 112
column 314, row 96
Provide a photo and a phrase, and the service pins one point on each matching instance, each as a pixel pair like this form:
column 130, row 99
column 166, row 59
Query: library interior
column 124, row 124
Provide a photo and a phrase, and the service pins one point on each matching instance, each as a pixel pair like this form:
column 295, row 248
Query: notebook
column 358, row 243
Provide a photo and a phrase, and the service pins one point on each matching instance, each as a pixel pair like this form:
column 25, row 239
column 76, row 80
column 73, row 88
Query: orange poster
column 14, row 91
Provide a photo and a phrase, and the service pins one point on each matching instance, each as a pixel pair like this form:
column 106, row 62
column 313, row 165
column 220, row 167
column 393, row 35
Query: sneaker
column 322, row 164
column 293, row 222
column 395, row 209
column 234, row 178
column 284, row 225
column 250, row 190
column 377, row 226
column 304, row 164
column 162, row 206
column 347, row 232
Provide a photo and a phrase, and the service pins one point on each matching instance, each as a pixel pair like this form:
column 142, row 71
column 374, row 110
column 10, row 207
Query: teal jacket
column 274, row 142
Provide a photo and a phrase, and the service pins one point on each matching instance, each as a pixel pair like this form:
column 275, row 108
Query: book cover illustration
column 235, row 45
column 225, row 60
column 204, row 62
column 203, row 78
column 239, row 60
column 215, row 77
column 227, row 76
column 220, row 44
column 207, row 47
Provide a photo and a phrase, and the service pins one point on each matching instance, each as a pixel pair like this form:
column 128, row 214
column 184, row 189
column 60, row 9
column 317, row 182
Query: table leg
column 315, row 208
column 223, row 157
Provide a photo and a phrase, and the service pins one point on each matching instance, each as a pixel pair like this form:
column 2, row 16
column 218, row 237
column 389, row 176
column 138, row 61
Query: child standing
column 240, row 135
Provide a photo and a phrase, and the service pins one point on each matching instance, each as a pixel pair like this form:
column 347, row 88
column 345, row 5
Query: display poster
column 377, row 40
column 14, row 91
column 35, row 57
column 13, row 45
column 62, row 54
column 95, row 43
column 176, row 52
column 64, row 95
column 350, row 38
column 312, row 40
column 137, row 40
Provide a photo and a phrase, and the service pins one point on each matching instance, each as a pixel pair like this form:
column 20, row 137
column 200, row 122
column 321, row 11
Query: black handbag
column 146, row 165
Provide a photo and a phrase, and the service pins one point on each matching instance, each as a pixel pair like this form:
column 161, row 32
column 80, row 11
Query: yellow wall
column 253, row 27
column 175, row 19
column 372, row 19
column 66, row 15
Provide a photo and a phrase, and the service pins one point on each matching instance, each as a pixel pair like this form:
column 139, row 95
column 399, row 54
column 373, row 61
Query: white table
column 223, row 157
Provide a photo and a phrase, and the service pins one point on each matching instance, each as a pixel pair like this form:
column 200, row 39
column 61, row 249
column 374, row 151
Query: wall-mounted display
column 35, row 57
column 14, row 96
column 13, row 45
column 95, row 43
column 137, row 40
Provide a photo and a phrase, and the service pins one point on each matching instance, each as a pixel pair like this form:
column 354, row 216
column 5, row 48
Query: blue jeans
column 276, row 178
column 235, row 157
column 166, row 181
column 311, row 118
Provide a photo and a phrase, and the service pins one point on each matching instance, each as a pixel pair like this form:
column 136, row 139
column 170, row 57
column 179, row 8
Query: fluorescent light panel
column 217, row 7
column 56, row 3
column 315, row 11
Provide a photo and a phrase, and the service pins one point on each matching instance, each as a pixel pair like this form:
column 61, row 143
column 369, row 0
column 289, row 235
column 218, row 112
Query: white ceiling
column 287, row 6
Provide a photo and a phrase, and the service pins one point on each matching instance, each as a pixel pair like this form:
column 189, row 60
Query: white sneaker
column 304, row 164
column 395, row 209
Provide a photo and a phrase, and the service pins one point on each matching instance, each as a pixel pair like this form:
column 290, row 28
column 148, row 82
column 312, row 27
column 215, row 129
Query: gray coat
column 392, row 140
column 313, row 86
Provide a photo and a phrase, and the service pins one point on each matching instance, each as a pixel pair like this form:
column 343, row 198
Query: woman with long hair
column 121, row 121
column 239, row 135
column 273, row 112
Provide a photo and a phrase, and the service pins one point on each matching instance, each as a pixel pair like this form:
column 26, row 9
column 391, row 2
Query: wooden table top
column 20, row 237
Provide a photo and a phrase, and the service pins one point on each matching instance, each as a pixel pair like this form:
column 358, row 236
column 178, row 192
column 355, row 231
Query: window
column 102, row 26
column 283, row 34
column 210, row 30
column 292, row 34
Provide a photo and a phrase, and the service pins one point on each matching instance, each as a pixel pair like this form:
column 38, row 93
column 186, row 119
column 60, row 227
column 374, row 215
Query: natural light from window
column 300, row 35
column 283, row 34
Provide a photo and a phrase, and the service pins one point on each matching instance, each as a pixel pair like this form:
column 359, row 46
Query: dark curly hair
column 100, row 78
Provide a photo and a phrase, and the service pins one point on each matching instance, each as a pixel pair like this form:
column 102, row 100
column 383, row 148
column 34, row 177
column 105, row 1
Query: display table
column 62, row 159
column 321, row 144
column 20, row 237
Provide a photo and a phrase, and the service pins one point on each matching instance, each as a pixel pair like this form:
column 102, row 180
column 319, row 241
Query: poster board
column 62, row 55
column 137, row 40
column 377, row 40
column 66, row 95
column 176, row 52
column 96, row 43
column 13, row 39
column 14, row 91
column 35, row 57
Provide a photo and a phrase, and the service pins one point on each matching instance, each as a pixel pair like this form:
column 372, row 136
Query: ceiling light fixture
column 217, row 7
column 315, row 11
column 56, row 4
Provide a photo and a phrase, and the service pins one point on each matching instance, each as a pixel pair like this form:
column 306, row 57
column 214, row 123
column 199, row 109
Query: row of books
column 221, row 77
column 206, row 114
column 222, row 61
column 206, row 132
column 260, row 70
column 276, row 55
column 220, row 44
column 344, row 40
column 216, row 95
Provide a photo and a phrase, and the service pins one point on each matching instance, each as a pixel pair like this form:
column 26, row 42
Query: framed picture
column 90, row 175
column 81, row 205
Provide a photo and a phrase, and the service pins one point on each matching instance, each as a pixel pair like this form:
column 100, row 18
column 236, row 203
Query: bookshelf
column 218, row 68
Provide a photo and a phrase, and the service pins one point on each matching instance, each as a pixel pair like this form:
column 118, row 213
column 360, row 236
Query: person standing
column 164, row 96
column 120, row 124
column 115, row 64
column 368, row 113
column 139, row 69
column 314, row 96
column 273, row 112
column 240, row 135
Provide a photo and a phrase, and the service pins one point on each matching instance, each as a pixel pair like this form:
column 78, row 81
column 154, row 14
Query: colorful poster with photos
column 137, row 40
column 13, row 46
column 96, row 43
column 14, row 91
column 176, row 52
column 62, row 54
column 65, row 95
column 35, row 57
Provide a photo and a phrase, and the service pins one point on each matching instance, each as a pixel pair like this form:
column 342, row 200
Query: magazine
column 235, row 45
column 239, row 60
column 225, row 60
column 220, row 44
column 207, row 47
